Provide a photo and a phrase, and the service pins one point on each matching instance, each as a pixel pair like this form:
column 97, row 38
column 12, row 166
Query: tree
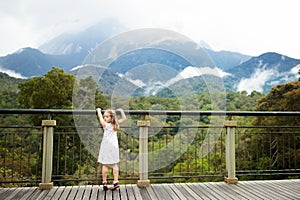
column 53, row 90
column 277, row 142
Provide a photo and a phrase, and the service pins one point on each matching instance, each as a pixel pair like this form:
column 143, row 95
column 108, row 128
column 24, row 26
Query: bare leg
column 104, row 172
column 116, row 172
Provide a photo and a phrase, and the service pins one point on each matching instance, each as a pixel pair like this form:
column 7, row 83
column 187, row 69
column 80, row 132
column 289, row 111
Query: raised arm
column 123, row 116
column 100, row 117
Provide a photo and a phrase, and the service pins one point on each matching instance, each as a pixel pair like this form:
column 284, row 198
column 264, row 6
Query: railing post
column 230, row 151
column 47, row 126
column 143, row 153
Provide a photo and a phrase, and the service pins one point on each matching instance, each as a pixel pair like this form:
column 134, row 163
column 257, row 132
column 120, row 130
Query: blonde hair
column 114, row 119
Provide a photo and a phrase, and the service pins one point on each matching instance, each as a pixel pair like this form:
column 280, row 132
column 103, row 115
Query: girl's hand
column 123, row 116
column 98, row 110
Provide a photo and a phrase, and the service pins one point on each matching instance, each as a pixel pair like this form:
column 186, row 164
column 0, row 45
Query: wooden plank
column 20, row 194
column 227, row 193
column 66, row 192
column 136, row 191
column 129, row 191
column 288, row 192
column 2, row 190
column 186, row 191
column 259, row 185
column 276, row 187
column 289, row 186
column 144, row 193
column 13, row 193
column 94, row 194
column 178, row 193
column 190, row 191
column 29, row 192
column 217, row 191
column 101, row 193
column 116, row 194
column 210, row 193
column 108, row 195
column 151, row 193
column 122, row 192
column 172, row 192
column 42, row 195
column 256, row 191
column 58, row 192
column 87, row 192
column 80, row 192
column 162, row 194
column 50, row 193
column 73, row 192
column 6, row 192
column 199, row 190
column 242, row 193
column 35, row 194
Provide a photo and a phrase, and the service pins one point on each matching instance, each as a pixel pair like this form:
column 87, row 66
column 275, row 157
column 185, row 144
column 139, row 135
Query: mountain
column 109, row 82
column 31, row 62
column 84, row 41
column 160, row 63
column 227, row 59
column 262, row 72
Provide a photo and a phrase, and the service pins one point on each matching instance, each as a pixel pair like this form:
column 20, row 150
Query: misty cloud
column 11, row 73
column 256, row 81
column 190, row 72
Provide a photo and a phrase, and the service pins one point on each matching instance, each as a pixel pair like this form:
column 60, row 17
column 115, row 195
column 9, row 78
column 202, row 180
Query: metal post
column 47, row 154
column 143, row 153
column 230, row 151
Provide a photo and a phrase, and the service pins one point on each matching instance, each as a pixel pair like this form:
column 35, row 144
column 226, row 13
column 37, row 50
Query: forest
column 20, row 148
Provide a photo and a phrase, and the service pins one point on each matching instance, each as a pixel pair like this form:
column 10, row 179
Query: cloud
column 191, row 71
column 263, row 76
column 256, row 81
column 295, row 69
column 11, row 73
column 33, row 22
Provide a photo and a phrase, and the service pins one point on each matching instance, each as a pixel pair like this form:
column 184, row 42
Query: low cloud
column 12, row 73
column 190, row 72
column 263, row 76
column 256, row 81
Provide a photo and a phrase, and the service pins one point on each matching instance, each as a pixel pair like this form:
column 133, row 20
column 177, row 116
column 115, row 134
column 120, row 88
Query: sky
column 251, row 27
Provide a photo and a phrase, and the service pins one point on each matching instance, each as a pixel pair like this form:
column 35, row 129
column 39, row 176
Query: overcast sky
column 250, row 27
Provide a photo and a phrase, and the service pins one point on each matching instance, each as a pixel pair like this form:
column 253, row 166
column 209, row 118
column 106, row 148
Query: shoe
column 115, row 185
column 105, row 185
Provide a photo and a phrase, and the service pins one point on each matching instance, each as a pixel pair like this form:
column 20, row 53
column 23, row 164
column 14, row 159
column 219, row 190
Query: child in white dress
column 109, row 149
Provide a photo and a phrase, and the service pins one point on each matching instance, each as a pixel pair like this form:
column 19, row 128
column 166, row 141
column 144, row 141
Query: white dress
column 109, row 149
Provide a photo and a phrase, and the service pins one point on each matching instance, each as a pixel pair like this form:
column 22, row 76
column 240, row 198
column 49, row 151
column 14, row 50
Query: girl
column 109, row 150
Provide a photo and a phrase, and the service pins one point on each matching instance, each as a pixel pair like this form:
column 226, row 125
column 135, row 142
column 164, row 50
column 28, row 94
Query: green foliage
column 9, row 91
column 53, row 90
column 275, row 147
column 60, row 90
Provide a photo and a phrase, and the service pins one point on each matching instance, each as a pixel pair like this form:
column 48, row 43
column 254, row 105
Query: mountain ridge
column 68, row 51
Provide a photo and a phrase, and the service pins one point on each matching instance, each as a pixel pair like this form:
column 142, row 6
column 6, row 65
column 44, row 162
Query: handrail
column 154, row 112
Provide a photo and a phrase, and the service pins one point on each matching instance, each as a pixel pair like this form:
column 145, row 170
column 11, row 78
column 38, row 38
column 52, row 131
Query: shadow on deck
column 270, row 189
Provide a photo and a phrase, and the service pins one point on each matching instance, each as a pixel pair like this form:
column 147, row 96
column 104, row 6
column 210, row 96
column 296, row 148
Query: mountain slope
column 31, row 62
column 227, row 59
column 82, row 42
column 262, row 72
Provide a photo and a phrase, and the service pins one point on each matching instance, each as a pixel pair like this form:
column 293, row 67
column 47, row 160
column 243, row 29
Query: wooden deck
column 279, row 189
